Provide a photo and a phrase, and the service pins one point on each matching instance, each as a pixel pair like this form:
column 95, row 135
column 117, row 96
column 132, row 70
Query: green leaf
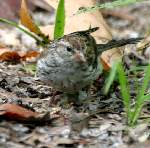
column 137, row 68
column 60, row 20
column 146, row 97
column 111, row 77
column 108, row 5
column 141, row 97
column 145, row 83
column 124, row 90
column 26, row 19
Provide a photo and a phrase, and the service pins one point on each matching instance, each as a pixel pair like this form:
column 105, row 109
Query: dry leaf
column 26, row 19
column 17, row 56
column 29, row 55
column 108, row 57
column 82, row 21
column 15, row 112
column 9, row 55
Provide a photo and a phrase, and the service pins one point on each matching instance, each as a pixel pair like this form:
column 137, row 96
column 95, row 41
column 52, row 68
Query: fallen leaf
column 26, row 19
column 86, row 20
column 108, row 57
column 16, row 112
column 7, row 54
column 29, row 55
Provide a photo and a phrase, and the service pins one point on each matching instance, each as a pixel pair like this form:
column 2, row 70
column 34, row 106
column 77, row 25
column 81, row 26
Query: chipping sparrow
column 71, row 62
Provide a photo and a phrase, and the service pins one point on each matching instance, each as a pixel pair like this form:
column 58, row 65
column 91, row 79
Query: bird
column 71, row 63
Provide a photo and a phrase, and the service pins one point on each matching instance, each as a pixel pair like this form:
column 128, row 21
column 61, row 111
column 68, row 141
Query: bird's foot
column 65, row 100
column 68, row 100
column 56, row 96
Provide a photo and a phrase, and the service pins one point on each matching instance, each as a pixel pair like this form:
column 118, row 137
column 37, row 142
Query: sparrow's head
column 79, row 48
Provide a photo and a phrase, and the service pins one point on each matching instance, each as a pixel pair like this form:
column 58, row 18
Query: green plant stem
column 108, row 5
column 11, row 23
column 111, row 77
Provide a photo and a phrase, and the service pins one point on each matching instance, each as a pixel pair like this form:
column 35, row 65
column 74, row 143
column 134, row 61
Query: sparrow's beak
column 79, row 57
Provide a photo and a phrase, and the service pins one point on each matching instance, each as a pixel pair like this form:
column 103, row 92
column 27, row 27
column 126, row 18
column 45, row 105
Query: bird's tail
column 116, row 43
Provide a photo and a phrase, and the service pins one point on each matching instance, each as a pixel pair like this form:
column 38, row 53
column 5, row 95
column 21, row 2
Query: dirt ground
column 58, row 126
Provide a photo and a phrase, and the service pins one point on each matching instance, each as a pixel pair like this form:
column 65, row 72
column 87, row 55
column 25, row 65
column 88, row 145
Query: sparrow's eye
column 69, row 49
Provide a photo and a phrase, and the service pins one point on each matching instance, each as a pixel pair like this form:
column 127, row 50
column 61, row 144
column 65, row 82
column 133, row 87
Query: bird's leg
column 77, row 98
column 55, row 98
column 64, row 99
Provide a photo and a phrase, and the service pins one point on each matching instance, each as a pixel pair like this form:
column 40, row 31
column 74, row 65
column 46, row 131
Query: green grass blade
column 60, row 20
column 137, row 68
column 141, row 97
column 111, row 77
column 145, row 83
column 124, row 90
column 146, row 97
column 108, row 5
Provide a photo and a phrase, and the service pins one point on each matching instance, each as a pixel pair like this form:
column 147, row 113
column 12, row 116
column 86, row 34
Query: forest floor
column 56, row 126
